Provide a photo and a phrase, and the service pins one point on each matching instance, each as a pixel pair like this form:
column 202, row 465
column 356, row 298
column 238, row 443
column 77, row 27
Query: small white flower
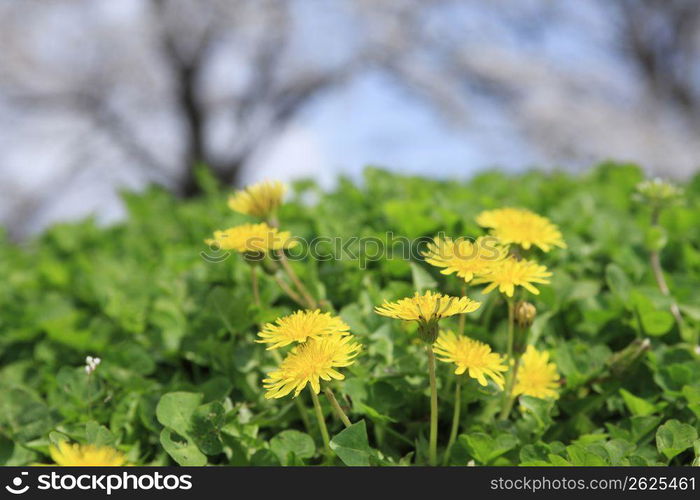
column 91, row 364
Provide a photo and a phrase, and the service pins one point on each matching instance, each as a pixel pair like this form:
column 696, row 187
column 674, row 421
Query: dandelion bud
column 525, row 314
column 658, row 194
column 658, row 189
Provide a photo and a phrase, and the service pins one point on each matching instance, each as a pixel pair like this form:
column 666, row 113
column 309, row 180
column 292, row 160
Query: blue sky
column 372, row 121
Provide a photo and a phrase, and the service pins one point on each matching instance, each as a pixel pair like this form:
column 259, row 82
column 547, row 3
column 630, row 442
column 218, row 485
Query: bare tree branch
column 108, row 121
column 186, row 69
column 662, row 39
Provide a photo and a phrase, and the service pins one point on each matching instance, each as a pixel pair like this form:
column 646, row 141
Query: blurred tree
column 160, row 62
column 211, row 80
column 153, row 87
column 662, row 39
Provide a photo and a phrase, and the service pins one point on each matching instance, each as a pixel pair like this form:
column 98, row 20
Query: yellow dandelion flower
column 427, row 307
column 471, row 356
column 537, row 376
column 301, row 326
column 311, row 362
column 511, row 273
column 75, row 455
column 522, row 227
column 259, row 200
column 252, row 238
column 427, row 310
column 464, row 257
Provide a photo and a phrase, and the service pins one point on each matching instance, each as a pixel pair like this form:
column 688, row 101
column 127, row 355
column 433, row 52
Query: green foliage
column 292, row 445
column 484, row 449
column 674, row 437
column 352, row 446
column 174, row 324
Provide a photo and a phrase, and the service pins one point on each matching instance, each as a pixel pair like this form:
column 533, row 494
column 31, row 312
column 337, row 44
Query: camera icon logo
column 16, row 488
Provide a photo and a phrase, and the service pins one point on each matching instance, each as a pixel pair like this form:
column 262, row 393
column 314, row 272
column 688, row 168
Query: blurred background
column 102, row 95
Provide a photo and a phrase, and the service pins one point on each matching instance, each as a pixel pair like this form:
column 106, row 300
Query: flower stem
column 463, row 317
column 311, row 302
column 508, row 393
column 507, row 403
column 89, row 394
column 255, row 284
column 336, row 406
column 511, row 321
column 290, row 293
column 655, row 262
column 322, row 426
column 432, row 447
column 455, row 420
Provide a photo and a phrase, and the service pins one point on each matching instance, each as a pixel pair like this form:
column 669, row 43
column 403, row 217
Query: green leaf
column 76, row 391
column 484, row 449
column 6, row 449
column 637, row 406
column 673, row 438
column 355, row 318
column 692, row 395
column 642, row 428
column 656, row 323
column 296, row 443
column 538, row 410
column 422, row 280
column 534, row 454
column 190, row 426
column 374, row 415
column 98, row 435
column 216, row 388
column 584, row 289
column 618, row 282
column 168, row 317
column 352, row 446
column 409, row 218
column 206, row 423
column 583, row 456
column 264, row 458
column 696, row 449
column 24, row 414
column 184, row 451
column 175, row 410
